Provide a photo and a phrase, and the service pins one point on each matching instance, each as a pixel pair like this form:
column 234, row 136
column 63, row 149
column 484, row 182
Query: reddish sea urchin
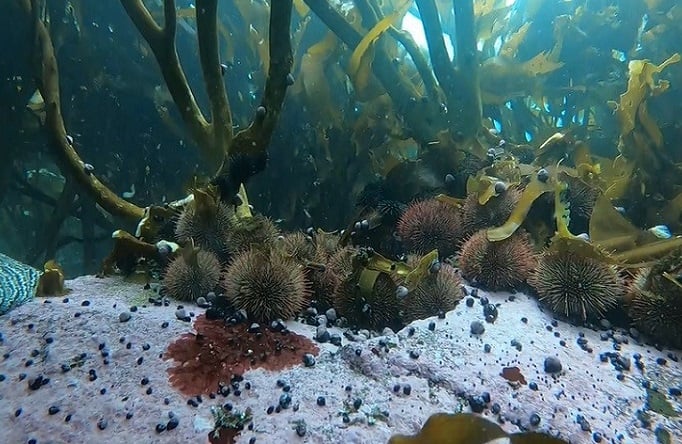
column 430, row 224
column 502, row 265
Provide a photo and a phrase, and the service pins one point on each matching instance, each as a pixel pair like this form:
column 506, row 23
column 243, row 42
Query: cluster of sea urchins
column 211, row 235
column 271, row 276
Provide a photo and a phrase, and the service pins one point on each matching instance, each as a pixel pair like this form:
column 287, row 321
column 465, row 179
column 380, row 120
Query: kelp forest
column 553, row 120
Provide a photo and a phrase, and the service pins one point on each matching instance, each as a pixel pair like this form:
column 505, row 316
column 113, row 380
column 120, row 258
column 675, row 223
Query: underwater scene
column 341, row 221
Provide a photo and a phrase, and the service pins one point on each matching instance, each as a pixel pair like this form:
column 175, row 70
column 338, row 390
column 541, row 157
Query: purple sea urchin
column 655, row 304
column 375, row 308
column 502, row 265
column 658, row 317
column 576, row 286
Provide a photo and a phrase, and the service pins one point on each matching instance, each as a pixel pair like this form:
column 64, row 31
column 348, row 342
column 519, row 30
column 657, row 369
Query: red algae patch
column 513, row 374
column 217, row 352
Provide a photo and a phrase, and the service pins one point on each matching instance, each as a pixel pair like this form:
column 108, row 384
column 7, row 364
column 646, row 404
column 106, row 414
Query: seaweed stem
column 46, row 242
column 247, row 155
column 422, row 121
column 161, row 40
column 442, row 66
column 469, row 94
column 67, row 157
column 207, row 34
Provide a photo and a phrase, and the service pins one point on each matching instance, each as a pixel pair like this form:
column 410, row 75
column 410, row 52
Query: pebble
column 124, row 316
column 552, row 364
column 322, row 334
column 53, row 410
column 321, row 401
column 477, row 328
column 331, row 315
column 301, row 429
column 202, row 302
column 476, row 403
column 181, row 314
column 172, row 423
column 534, row 419
column 321, row 320
column 335, row 339
column 102, row 424
column 285, row 400
column 308, row 360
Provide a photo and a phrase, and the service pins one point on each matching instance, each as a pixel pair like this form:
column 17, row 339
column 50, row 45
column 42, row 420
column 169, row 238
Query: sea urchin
column 207, row 221
column 502, row 265
column 266, row 284
column 576, row 286
column 438, row 292
column 191, row 275
column 429, row 225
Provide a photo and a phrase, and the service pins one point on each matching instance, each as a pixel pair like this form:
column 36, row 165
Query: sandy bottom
column 72, row 372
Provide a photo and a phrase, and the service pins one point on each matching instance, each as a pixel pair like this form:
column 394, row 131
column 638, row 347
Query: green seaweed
column 657, row 402
column 662, row 436
column 233, row 420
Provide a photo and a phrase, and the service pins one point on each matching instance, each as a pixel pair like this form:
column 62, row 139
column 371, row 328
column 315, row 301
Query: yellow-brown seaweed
column 467, row 428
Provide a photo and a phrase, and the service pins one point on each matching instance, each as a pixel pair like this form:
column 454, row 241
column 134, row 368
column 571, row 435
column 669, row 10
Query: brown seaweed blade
column 467, row 428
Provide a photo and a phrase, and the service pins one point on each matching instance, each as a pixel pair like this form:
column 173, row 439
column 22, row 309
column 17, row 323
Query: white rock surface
column 451, row 366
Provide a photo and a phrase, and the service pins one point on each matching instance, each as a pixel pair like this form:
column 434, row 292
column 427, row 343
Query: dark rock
column 552, row 364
